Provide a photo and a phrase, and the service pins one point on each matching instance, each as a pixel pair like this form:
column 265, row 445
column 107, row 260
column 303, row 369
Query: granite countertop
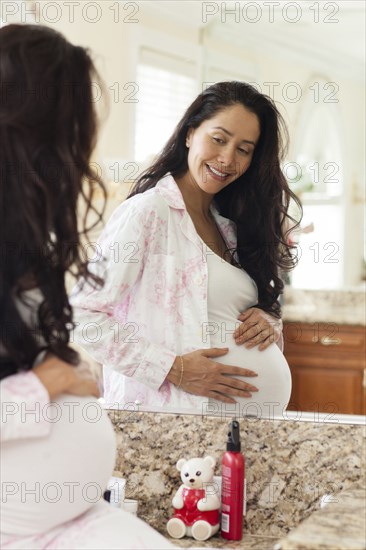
column 338, row 306
column 340, row 524
column 313, row 314
column 290, row 466
column 248, row 542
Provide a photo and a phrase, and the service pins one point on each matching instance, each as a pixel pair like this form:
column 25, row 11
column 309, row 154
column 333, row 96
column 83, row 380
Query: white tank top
column 232, row 291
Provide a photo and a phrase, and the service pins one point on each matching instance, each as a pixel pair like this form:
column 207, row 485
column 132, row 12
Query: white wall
column 115, row 47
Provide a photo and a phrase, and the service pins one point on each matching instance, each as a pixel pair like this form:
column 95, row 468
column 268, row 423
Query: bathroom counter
column 290, row 466
column 313, row 314
column 345, row 307
column 339, row 525
column 249, row 542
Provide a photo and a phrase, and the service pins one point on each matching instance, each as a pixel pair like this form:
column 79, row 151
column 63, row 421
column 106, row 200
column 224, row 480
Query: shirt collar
column 170, row 191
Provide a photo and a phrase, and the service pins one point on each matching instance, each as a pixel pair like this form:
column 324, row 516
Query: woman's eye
column 218, row 140
column 244, row 151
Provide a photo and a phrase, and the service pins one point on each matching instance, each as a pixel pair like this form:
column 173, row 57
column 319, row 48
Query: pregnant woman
column 188, row 316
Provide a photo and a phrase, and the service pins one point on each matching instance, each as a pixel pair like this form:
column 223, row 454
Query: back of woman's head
column 48, row 128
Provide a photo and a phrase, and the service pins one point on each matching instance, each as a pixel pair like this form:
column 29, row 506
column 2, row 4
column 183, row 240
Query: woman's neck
column 197, row 201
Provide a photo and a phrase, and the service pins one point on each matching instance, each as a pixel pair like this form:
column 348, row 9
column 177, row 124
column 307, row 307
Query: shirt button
column 198, row 280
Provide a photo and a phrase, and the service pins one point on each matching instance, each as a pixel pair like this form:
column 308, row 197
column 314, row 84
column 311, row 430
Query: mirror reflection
column 156, row 58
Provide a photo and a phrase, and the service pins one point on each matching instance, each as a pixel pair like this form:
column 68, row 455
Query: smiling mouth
column 216, row 173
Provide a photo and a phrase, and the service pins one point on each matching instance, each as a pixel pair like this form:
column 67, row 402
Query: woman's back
column 62, row 475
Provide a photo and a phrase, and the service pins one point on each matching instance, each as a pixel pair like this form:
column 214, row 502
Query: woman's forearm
column 113, row 344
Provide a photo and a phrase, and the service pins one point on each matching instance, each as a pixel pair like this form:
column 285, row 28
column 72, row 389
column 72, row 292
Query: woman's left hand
column 258, row 328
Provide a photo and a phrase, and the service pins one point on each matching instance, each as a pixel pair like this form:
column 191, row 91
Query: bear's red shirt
column 189, row 514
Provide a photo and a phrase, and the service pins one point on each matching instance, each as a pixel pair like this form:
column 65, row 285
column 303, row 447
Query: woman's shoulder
column 144, row 204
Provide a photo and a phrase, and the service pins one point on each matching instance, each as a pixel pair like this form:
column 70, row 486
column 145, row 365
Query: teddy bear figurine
column 196, row 503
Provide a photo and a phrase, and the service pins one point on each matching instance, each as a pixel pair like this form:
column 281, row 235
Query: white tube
column 116, row 486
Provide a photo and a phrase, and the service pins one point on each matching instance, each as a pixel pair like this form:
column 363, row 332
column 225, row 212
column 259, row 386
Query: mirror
column 309, row 57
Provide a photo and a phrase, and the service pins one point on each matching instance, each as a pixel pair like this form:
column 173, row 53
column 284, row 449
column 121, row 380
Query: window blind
column 167, row 86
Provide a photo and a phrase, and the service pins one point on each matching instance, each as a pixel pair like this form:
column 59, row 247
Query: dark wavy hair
column 48, row 129
column 258, row 200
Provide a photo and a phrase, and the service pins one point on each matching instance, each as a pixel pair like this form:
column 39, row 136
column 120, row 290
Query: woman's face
column 222, row 147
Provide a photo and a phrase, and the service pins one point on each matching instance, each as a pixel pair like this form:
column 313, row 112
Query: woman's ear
column 189, row 137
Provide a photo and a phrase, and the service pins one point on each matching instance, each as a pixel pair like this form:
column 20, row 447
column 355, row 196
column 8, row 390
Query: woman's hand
column 60, row 377
column 258, row 328
column 204, row 376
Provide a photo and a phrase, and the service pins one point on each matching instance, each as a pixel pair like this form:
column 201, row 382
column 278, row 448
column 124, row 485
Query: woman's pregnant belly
column 47, row 481
column 230, row 292
column 273, row 380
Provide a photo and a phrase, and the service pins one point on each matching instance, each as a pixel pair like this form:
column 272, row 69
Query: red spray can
column 232, row 492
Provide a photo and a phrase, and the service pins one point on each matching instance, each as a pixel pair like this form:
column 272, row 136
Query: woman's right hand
column 60, row 377
column 202, row 375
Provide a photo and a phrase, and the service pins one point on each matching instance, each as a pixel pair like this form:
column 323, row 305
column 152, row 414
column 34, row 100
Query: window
column 319, row 184
column 167, row 85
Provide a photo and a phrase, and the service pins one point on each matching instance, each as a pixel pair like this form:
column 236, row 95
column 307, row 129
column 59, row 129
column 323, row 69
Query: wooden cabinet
column 327, row 363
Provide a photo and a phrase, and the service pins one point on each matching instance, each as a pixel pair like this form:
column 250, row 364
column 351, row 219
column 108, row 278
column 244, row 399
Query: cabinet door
column 327, row 363
column 331, row 391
